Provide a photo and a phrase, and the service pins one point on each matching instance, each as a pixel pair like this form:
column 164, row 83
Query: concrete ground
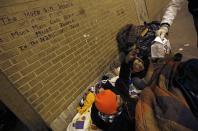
column 182, row 34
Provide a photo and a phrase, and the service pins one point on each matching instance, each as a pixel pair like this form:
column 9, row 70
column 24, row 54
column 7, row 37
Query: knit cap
column 106, row 102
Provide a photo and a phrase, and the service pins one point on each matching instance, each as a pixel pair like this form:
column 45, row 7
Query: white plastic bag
column 160, row 48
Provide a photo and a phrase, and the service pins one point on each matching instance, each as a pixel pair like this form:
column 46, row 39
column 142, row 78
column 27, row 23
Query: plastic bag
column 160, row 48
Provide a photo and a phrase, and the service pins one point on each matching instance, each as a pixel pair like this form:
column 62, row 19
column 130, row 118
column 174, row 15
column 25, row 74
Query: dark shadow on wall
column 18, row 112
column 8, row 121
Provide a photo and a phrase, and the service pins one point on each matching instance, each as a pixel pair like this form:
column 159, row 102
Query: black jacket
column 193, row 7
column 126, row 120
column 186, row 79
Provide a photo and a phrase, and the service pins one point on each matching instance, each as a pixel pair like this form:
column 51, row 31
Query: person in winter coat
column 171, row 12
column 114, row 109
column 126, row 41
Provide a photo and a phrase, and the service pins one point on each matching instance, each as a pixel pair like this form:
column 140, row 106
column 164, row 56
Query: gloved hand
column 162, row 31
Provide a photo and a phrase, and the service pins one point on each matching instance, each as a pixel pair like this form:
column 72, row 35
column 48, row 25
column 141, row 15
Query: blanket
column 161, row 106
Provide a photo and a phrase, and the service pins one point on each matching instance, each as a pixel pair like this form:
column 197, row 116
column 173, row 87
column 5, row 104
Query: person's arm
column 173, row 7
column 125, row 71
column 122, row 84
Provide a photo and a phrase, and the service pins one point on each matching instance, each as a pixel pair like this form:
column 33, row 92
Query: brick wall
column 155, row 8
column 52, row 49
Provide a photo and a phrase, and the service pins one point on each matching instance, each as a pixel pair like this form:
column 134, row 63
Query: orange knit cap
column 106, row 102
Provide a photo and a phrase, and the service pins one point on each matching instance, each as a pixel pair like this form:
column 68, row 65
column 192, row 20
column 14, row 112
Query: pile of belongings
column 169, row 100
column 142, row 36
column 82, row 120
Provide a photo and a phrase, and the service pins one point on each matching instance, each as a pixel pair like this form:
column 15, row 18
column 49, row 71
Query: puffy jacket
column 174, row 6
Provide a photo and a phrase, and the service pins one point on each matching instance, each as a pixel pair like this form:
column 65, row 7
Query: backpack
column 138, row 35
column 145, row 39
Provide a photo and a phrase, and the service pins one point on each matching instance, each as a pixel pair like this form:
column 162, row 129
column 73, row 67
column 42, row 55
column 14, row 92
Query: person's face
column 138, row 65
column 133, row 54
column 101, row 89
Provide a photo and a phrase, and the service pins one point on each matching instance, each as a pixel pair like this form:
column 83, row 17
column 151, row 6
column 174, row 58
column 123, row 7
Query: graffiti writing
column 32, row 13
column 65, row 5
column 8, row 19
column 16, row 34
column 42, row 32
column 34, row 42
column 53, row 21
column 62, row 24
column 48, row 9
column 38, row 27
